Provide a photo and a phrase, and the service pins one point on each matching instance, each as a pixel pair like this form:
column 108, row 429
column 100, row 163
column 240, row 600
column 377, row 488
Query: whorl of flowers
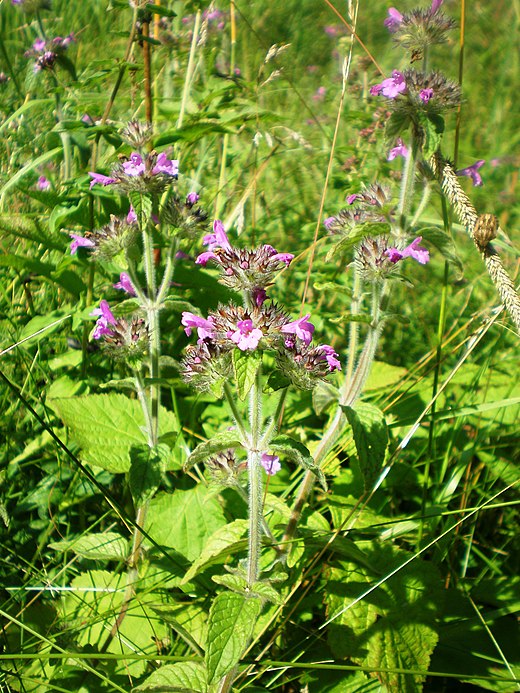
column 116, row 236
column 150, row 173
column 256, row 327
column 47, row 53
column 125, row 338
column 371, row 205
column 410, row 91
column 418, row 29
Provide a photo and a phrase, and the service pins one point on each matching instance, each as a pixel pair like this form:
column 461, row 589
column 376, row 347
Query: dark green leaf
column 225, row 440
column 297, row 452
column 371, row 438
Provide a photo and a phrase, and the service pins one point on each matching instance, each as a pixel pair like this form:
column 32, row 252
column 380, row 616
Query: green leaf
column 224, row 440
column 355, row 236
column 232, row 618
column 245, row 367
column 433, row 127
column 42, row 326
column 225, row 541
column 444, row 244
column 142, row 204
column 106, row 426
column 393, row 627
column 106, row 546
column 146, row 469
column 297, row 452
column 371, row 439
column 33, row 165
column 186, row 677
column 184, row 520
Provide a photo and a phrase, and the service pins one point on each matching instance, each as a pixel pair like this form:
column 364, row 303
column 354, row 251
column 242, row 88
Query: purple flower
column 203, row 326
column 125, row 284
column 301, row 327
column 165, row 165
column 435, row 6
column 393, row 21
column 351, row 199
column 399, row 150
column 79, row 242
column 328, row 221
column 330, row 356
column 135, row 166
column 100, row 179
column 246, row 337
column 413, row 250
column 105, row 319
column 131, row 217
column 426, row 94
column 271, row 463
column 217, row 239
column 331, row 30
column 43, row 183
column 192, row 198
column 472, row 172
column 287, row 258
column 390, row 87
column 39, row 45
column 259, row 297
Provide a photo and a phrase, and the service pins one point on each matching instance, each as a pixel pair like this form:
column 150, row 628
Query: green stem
column 168, row 271
column 237, row 417
column 408, row 179
column 273, row 425
column 254, row 469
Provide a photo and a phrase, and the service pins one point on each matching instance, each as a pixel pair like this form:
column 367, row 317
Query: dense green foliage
column 400, row 581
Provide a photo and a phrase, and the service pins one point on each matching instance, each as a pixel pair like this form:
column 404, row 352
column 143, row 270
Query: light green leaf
column 220, row 441
column 225, row 541
column 106, row 426
column 245, row 367
column 32, row 165
column 371, row 438
column 146, row 470
column 394, row 626
column 433, row 127
column 323, row 395
column 189, row 621
column 106, row 546
column 184, row 520
column 355, row 235
column 142, row 204
column 232, row 618
column 186, row 677
column 297, row 452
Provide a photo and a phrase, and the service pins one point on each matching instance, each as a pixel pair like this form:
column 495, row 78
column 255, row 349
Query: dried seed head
column 485, row 230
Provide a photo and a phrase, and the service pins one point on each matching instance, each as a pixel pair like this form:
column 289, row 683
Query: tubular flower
column 413, row 250
column 390, row 87
column 271, row 463
column 399, row 150
column 125, row 284
column 105, row 319
column 472, row 172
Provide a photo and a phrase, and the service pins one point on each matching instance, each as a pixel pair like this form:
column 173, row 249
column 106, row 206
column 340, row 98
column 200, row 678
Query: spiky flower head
column 137, row 134
column 110, row 240
column 242, row 269
column 125, row 338
column 418, row 29
column 151, row 173
column 225, row 469
column 185, row 217
column 373, row 204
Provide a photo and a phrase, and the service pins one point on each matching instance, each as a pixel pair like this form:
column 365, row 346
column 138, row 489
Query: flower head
column 246, row 336
column 43, row 183
column 472, row 172
column 203, row 326
column 393, row 21
column 150, row 173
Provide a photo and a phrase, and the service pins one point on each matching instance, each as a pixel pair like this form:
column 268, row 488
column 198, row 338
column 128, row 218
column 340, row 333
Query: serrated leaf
column 396, row 125
column 245, row 368
column 184, row 520
column 232, row 618
column 297, row 452
column 106, row 546
column 106, row 426
column 190, row 621
column 186, row 677
column 225, row 440
column 226, row 540
column 433, row 128
column 393, row 627
column 146, row 469
column 371, row 439
column 142, row 204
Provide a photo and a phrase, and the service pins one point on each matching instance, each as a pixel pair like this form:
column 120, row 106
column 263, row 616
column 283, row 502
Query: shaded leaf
column 105, row 546
column 297, row 452
column 224, row 440
column 186, row 677
column 371, row 439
